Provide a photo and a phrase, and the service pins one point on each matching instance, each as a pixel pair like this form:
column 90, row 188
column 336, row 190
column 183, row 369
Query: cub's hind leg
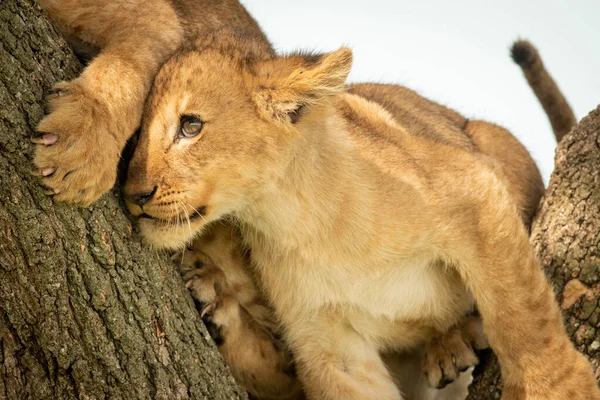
column 521, row 317
column 92, row 116
column 512, row 164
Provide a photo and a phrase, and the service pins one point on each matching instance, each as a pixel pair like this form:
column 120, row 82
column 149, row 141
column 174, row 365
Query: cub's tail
column 558, row 110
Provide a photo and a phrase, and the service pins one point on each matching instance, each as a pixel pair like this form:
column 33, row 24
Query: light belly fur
column 394, row 306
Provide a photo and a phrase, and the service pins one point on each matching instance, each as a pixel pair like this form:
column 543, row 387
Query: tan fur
column 552, row 100
column 219, row 277
column 93, row 116
column 367, row 236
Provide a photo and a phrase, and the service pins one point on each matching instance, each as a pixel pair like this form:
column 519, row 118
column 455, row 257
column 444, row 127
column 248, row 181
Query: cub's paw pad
column 446, row 357
column 76, row 152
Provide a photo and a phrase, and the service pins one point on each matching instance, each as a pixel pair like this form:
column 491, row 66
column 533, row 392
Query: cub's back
column 416, row 114
column 420, row 117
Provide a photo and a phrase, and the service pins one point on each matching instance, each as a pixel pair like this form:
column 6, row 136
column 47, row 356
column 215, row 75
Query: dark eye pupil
column 190, row 126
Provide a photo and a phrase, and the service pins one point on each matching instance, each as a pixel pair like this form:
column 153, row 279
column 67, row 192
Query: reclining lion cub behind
column 369, row 232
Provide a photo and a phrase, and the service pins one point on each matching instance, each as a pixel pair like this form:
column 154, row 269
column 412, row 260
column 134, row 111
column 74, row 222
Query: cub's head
column 221, row 124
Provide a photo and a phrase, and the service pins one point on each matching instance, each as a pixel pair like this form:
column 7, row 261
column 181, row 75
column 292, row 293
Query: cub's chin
column 169, row 236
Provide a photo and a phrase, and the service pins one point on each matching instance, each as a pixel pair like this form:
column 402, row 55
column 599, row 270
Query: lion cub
column 218, row 273
column 373, row 226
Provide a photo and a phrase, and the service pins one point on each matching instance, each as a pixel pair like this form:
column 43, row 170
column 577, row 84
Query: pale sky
column 455, row 52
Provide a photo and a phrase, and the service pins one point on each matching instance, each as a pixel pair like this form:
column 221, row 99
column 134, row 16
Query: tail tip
column 523, row 53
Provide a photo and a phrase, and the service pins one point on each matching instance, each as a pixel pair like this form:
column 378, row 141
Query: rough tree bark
column 566, row 238
column 86, row 311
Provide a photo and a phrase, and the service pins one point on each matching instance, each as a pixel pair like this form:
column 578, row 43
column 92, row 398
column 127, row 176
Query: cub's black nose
column 141, row 198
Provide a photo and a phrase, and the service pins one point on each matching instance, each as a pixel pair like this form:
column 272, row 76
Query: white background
column 455, row 52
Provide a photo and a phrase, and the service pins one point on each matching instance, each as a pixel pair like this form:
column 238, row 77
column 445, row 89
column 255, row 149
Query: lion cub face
column 219, row 127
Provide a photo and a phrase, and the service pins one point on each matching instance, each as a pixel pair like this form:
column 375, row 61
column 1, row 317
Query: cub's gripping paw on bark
column 259, row 362
column 203, row 279
column 76, row 152
column 447, row 355
column 204, row 282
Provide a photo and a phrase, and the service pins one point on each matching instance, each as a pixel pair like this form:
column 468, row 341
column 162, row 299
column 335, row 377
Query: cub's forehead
column 197, row 73
column 205, row 84
column 180, row 69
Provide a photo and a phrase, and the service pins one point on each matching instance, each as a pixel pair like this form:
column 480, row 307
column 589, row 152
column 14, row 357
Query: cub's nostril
column 142, row 198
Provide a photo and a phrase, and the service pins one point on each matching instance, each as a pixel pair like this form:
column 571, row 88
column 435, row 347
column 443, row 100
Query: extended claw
column 46, row 139
column 208, row 309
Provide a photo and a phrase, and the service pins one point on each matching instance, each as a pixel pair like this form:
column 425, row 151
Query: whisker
column 204, row 219
column 179, row 216
column 192, row 207
column 172, row 222
column 187, row 217
column 198, row 212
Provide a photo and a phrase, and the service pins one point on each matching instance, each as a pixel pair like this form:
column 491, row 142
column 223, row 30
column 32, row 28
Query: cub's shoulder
column 416, row 114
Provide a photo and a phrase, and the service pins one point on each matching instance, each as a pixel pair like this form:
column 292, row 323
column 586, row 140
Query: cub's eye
column 190, row 126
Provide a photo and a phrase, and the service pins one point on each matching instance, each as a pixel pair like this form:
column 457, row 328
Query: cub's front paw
column 203, row 279
column 77, row 151
column 446, row 357
column 255, row 358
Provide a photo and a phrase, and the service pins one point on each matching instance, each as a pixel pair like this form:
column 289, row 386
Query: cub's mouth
column 181, row 217
column 172, row 231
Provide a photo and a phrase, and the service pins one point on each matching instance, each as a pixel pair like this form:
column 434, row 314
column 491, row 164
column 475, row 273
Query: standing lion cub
column 91, row 117
column 373, row 226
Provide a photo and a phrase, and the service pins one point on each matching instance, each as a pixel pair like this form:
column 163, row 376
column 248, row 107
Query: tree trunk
column 566, row 238
column 86, row 311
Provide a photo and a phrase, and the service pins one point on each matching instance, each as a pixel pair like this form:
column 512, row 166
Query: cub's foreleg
column 216, row 262
column 236, row 318
column 334, row 362
column 255, row 358
column 520, row 315
column 406, row 371
column 92, row 116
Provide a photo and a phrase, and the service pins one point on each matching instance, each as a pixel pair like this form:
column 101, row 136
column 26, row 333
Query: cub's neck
column 322, row 193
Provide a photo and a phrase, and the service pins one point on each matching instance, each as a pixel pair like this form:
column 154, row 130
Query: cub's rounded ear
column 287, row 86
